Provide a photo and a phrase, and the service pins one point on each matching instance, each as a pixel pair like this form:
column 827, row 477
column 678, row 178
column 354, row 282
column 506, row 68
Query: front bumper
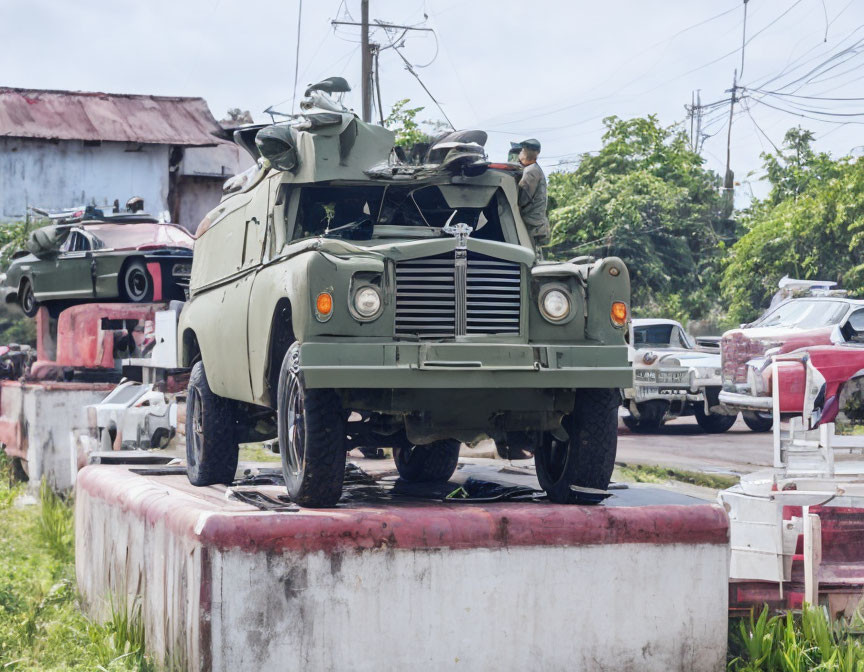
column 746, row 402
column 463, row 365
column 648, row 392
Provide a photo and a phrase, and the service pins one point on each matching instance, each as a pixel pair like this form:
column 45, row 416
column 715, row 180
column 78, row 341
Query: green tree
column 402, row 120
column 647, row 198
column 795, row 168
column 811, row 226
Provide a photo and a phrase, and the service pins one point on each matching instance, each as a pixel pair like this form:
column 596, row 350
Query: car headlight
column 555, row 305
column 367, row 302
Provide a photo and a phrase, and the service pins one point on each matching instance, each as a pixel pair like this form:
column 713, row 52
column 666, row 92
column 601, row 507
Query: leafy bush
column 796, row 643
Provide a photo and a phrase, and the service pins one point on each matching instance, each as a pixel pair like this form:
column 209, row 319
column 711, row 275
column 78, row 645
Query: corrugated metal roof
column 77, row 115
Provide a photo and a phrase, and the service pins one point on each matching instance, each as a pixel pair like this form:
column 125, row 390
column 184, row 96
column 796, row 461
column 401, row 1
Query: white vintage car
column 672, row 377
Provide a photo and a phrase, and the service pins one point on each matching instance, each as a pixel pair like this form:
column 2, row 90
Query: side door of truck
column 223, row 282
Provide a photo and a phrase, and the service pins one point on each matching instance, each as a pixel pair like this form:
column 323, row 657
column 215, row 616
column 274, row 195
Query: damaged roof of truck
column 328, row 142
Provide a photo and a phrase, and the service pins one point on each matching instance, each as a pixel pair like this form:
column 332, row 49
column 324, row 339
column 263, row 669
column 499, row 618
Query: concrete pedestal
column 41, row 423
column 509, row 586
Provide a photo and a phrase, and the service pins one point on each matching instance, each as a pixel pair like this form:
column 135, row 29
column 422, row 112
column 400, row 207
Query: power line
column 297, row 55
column 410, row 69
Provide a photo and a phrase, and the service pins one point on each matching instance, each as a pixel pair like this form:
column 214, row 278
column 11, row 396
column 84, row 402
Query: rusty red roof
column 78, row 115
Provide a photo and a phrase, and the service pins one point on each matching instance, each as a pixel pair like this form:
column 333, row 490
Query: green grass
column 643, row 473
column 41, row 625
column 257, row 452
column 795, row 643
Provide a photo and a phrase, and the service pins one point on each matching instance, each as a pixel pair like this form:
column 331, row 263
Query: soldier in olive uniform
column 532, row 192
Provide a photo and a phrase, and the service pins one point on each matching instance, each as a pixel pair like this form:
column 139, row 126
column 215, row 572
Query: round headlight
column 367, row 301
column 556, row 305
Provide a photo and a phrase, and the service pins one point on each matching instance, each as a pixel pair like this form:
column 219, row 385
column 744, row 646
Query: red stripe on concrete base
column 226, row 524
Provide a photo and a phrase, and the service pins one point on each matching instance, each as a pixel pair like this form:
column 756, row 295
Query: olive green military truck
column 373, row 297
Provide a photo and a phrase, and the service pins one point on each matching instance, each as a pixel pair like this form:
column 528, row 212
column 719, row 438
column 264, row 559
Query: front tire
column 758, row 422
column 311, row 437
column 27, row 299
column 211, row 433
column 136, row 284
column 587, row 458
column 713, row 423
column 434, row 462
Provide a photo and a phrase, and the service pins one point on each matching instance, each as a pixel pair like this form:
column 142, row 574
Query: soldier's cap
column 531, row 143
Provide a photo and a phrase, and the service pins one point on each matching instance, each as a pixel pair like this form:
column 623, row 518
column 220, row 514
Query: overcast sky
column 548, row 69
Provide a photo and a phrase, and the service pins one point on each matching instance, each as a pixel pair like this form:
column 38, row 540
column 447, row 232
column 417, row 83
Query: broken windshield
column 361, row 212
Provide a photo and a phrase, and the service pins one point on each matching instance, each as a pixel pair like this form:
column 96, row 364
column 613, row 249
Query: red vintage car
column 794, row 324
column 833, row 373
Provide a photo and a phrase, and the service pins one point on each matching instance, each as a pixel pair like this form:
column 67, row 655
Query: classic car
column 372, row 300
column 133, row 416
column 134, row 258
column 834, row 375
column 793, row 324
column 672, row 377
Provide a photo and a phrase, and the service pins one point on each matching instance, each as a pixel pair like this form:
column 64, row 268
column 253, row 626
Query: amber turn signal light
column 324, row 304
column 619, row 313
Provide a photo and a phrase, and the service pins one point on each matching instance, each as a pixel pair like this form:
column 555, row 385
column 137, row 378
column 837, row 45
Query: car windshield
column 361, row 212
column 660, row 336
column 804, row 314
column 129, row 236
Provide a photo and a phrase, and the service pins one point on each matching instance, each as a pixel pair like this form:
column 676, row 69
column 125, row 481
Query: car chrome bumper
column 746, row 402
column 463, row 365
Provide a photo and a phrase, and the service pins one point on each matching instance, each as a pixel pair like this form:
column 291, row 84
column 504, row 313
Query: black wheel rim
column 295, row 430
column 196, row 413
column 28, row 299
column 555, row 457
column 137, row 284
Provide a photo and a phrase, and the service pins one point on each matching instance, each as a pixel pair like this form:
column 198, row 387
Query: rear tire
column 211, row 431
column 27, row 299
column 713, row 423
column 312, row 437
column 757, row 422
column 587, row 458
column 434, row 462
column 136, row 283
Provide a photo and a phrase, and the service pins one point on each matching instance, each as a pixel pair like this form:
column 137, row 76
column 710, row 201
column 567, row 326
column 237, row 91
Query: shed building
column 61, row 149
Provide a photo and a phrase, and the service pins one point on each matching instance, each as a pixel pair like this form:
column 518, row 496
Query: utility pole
column 366, row 61
column 699, row 121
column 369, row 50
column 728, row 181
column 692, row 119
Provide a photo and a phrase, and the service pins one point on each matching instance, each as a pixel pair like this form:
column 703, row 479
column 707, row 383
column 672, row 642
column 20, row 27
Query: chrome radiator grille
column 437, row 297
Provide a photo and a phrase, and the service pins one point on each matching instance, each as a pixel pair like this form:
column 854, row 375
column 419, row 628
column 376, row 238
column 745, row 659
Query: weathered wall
column 477, row 587
column 67, row 173
column 197, row 196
